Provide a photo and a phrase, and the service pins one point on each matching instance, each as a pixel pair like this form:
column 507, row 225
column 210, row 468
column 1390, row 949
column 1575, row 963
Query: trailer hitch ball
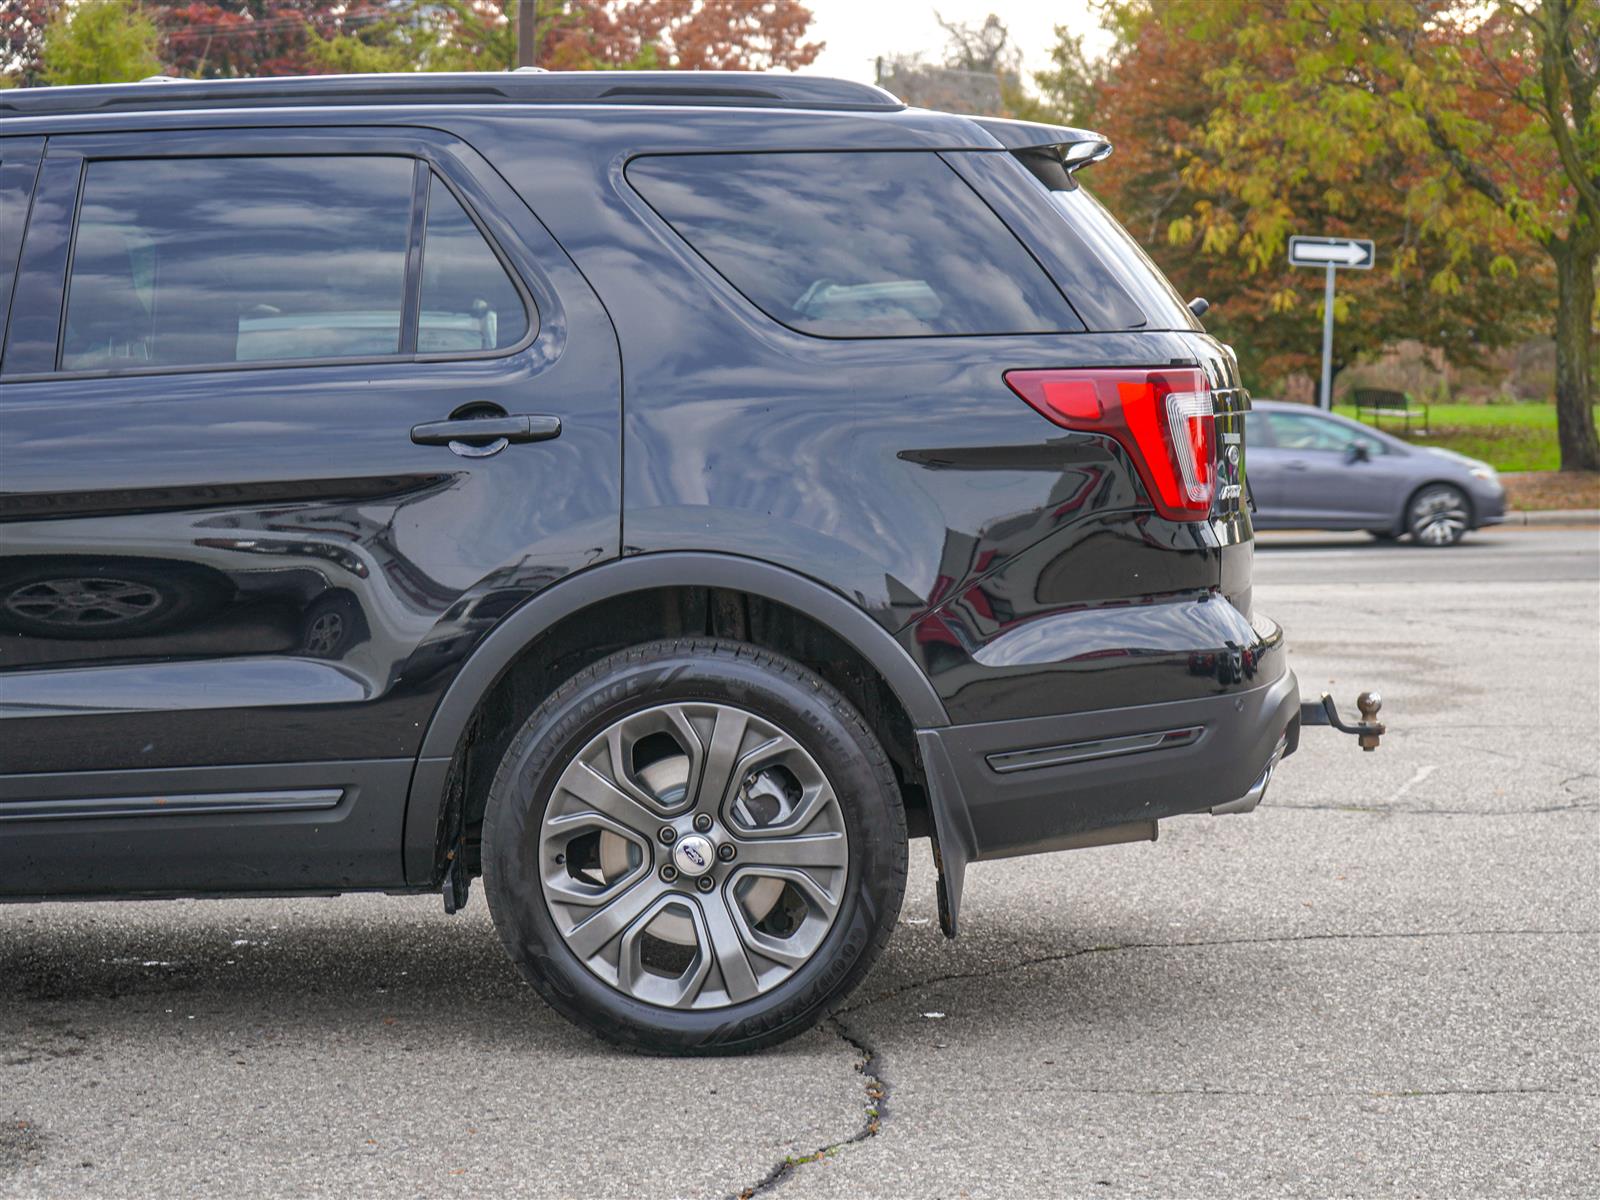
column 1324, row 711
column 1369, row 703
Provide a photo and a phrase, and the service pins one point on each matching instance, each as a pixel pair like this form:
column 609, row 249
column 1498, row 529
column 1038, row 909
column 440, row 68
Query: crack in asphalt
column 870, row 1063
column 1066, row 955
column 870, row 1067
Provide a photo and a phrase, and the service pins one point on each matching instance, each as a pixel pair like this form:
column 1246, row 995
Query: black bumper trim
column 980, row 812
column 1055, row 756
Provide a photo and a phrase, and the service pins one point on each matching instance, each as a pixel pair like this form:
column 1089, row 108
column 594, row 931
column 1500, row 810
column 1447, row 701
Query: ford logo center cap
column 693, row 855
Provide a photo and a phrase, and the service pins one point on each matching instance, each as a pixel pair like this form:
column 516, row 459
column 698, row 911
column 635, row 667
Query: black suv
column 662, row 495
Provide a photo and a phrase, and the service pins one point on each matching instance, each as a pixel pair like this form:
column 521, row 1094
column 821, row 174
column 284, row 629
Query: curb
column 1555, row 516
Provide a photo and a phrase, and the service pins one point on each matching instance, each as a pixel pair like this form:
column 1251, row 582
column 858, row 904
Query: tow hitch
column 1324, row 712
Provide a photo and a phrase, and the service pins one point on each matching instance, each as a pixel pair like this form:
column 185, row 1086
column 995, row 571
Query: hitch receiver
column 1324, row 712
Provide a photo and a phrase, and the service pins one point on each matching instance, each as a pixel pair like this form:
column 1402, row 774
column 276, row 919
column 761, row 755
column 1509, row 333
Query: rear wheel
column 694, row 847
column 1438, row 515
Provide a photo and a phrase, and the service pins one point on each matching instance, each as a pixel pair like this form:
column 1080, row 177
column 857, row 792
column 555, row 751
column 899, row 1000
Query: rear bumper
column 1002, row 788
column 1027, row 786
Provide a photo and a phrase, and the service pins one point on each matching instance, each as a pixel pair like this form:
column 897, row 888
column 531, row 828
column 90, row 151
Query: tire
column 755, row 955
column 1438, row 515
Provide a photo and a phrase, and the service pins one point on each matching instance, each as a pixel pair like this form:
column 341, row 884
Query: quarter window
column 468, row 302
column 855, row 244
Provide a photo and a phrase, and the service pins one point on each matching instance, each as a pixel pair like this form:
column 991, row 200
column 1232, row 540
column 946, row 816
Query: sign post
column 1331, row 254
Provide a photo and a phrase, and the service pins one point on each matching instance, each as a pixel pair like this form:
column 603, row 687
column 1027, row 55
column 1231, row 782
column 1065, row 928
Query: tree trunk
column 1576, row 259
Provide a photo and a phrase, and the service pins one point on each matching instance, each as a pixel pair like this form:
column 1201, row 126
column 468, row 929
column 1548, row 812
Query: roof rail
column 746, row 89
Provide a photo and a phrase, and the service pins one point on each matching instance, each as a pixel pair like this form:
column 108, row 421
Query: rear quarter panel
column 901, row 472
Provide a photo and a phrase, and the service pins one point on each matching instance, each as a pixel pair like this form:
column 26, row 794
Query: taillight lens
column 1162, row 418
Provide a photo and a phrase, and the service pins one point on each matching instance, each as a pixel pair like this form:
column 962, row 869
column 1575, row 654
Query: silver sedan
column 1308, row 469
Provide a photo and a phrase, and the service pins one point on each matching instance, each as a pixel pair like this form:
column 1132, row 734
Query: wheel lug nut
column 668, row 835
column 705, row 883
column 702, row 822
column 726, row 852
column 668, row 873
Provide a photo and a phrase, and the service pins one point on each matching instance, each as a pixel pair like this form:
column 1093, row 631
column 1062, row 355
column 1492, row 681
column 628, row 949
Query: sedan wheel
column 694, row 847
column 1439, row 515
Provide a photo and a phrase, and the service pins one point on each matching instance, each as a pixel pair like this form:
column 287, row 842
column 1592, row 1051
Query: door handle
column 491, row 434
column 1298, row 464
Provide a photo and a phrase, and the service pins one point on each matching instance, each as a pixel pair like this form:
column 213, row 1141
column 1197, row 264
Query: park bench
column 1384, row 402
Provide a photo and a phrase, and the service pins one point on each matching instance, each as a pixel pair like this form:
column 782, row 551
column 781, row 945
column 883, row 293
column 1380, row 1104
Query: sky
column 858, row 31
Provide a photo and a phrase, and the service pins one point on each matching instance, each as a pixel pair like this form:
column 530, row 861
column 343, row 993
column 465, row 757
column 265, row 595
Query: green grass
column 1509, row 437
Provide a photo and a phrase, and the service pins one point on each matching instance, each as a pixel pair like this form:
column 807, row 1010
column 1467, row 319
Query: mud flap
column 955, row 844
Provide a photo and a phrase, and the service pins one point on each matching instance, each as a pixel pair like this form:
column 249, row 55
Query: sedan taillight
column 1162, row 418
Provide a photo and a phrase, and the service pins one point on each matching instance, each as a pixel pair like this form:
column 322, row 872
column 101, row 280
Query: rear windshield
column 856, row 244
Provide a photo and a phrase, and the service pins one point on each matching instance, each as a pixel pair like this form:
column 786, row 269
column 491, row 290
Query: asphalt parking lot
column 1384, row 982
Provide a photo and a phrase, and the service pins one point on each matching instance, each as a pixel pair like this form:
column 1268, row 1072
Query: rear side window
column 188, row 262
column 180, row 262
column 855, row 244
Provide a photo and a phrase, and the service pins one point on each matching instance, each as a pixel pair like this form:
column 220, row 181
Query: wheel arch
column 438, row 801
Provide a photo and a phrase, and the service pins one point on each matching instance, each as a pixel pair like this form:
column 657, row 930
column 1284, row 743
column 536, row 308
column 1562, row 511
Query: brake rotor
column 667, row 779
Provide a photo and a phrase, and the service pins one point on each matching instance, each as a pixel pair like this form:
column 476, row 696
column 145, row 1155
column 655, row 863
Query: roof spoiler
column 1052, row 152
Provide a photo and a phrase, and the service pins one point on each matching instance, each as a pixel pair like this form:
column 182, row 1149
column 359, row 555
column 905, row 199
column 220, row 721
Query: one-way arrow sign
column 1332, row 255
column 1331, row 252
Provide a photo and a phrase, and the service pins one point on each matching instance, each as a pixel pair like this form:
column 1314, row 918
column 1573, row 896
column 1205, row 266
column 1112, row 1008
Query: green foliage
column 427, row 35
column 1509, row 437
column 108, row 41
column 481, row 35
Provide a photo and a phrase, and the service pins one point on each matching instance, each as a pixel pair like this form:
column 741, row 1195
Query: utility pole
column 527, row 19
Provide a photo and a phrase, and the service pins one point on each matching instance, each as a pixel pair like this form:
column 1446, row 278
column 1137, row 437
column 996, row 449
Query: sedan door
column 1324, row 472
column 247, row 515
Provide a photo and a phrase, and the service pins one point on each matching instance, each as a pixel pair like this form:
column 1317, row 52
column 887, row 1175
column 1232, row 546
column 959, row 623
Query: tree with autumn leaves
column 480, row 35
column 1179, row 189
column 1463, row 135
column 228, row 38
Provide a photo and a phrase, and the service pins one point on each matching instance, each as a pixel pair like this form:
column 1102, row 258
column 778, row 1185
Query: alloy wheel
column 1439, row 517
column 693, row 855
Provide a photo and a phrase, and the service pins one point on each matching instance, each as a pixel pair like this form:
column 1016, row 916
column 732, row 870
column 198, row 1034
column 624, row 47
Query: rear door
column 241, row 554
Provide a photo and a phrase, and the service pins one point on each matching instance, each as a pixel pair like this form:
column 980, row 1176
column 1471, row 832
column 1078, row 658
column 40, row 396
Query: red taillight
column 1162, row 418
